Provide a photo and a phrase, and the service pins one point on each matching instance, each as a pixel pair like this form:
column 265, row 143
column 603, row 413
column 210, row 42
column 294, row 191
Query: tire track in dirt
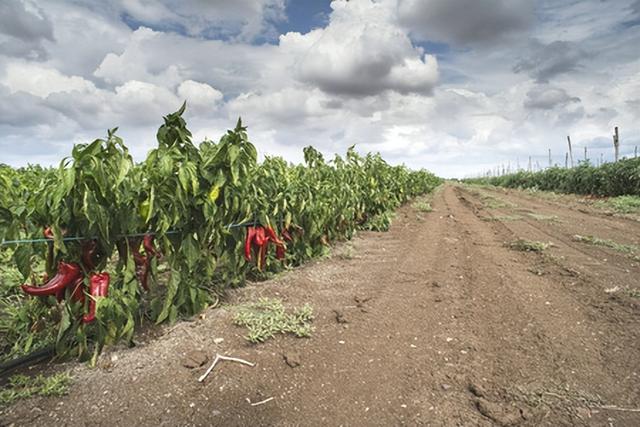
column 580, row 222
column 617, row 335
column 573, row 206
column 597, row 267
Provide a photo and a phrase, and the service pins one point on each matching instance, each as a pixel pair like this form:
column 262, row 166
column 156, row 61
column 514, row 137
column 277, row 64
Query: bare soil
column 436, row 322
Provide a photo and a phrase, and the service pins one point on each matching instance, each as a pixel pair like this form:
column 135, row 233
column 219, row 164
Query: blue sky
column 455, row 86
column 305, row 15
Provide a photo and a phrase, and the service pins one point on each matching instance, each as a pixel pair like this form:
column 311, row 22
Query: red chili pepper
column 149, row 247
column 271, row 235
column 89, row 249
column 142, row 270
column 280, row 245
column 141, row 262
column 67, row 274
column 260, row 236
column 78, row 290
column 77, row 293
column 251, row 233
column 98, row 287
column 286, row 235
column 262, row 255
column 259, row 242
column 48, row 233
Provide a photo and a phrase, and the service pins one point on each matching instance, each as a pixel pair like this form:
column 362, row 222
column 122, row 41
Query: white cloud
column 167, row 59
column 465, row 21
column 244, row 19
column 199, row 96
column 40, row 80
column 546, row 98
column 23, row 30
column 362, row 52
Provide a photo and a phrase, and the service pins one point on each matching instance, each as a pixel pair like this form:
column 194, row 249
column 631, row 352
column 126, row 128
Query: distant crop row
column 118, row 242
column 610, row 179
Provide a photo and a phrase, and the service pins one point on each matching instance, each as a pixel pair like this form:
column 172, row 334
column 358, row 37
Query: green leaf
column 172, row 290
column 22, row 258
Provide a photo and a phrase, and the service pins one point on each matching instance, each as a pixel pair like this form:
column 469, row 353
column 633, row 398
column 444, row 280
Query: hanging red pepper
column 89, row 249
column 149, row 247
column 261, row 242
column 259, row 237
column 98, row 287
column 286, row 235
column 66, row 275
column 251, row 234
column 272, row 236
column 280, row 245
column 48, row 233
column 77, row 291
column 141, row 262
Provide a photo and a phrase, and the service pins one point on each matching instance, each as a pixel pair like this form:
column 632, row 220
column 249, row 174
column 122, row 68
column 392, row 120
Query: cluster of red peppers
column 259, row 238
column 143, row 262
column 71, row 276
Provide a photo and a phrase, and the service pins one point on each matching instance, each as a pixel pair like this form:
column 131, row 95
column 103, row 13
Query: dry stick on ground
column 218, row 358
column 616, row 408
column 261, row 402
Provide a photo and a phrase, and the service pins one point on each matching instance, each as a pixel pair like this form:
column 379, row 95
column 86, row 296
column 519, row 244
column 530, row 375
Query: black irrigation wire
column 72, row 238
column 79, row 238
column 29, row 359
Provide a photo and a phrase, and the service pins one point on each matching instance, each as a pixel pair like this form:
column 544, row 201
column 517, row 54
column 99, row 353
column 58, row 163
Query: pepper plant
column 181, row 219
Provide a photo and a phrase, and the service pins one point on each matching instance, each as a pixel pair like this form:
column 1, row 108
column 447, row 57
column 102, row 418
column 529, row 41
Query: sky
column 454, row 86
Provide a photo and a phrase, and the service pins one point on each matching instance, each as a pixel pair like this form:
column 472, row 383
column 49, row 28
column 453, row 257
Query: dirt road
column 436, row 322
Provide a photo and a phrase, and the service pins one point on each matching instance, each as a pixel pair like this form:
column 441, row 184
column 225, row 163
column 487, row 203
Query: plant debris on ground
column 268, row 317
column 524, row 245
column 22, row 386
column 422, row 206
column 596, row 241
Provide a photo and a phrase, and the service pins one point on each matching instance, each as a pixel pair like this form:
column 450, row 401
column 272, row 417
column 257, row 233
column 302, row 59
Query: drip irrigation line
column 80, row 238
column 29, row 359
column 73, row 238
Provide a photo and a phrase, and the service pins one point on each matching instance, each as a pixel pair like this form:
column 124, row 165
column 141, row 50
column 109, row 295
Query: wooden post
column 550, row 163
column 616, row 144
column 570, row 150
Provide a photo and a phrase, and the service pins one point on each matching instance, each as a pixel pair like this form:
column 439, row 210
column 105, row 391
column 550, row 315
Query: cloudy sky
column 455, row 86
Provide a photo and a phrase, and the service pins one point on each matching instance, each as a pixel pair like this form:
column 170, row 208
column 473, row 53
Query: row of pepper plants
column 610, row 179
column 120, row 243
